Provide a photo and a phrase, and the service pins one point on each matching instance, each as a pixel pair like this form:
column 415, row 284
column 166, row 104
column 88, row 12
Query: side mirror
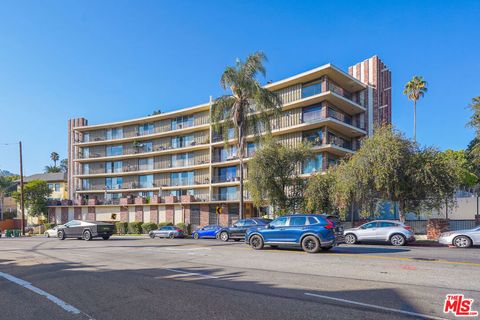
column 269, row 226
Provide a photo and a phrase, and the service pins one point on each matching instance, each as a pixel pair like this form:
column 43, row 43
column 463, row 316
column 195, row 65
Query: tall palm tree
column 235, row 110
column 414, row 90
column 54, row 156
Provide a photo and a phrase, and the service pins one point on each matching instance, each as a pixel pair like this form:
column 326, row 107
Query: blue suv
column 312, row 231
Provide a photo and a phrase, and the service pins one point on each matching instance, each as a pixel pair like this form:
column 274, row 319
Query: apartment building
column 173, row 167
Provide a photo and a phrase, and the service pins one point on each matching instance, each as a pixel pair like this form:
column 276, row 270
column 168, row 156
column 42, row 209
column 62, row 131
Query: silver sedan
column 167, row 232
column 461, row 238
column 391, row 231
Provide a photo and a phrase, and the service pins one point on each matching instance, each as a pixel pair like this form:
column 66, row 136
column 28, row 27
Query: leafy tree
column 36, row 193
column 64, row 165
column 414, row 90
column 390, row 167
column 52, row 169
column 273, row 176
column 465, row 168
column 54, row 156
column 235, row 111
column 473, row 150
column 320, row 193
column 7, row 186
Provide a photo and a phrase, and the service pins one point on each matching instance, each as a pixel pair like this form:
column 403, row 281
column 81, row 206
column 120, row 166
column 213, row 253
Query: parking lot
column 142, row 278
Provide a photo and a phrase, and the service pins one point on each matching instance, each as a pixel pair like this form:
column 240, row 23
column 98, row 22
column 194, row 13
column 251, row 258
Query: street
column 142, row 278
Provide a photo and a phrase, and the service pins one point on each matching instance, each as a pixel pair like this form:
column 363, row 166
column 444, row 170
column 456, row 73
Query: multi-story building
column 177, row 169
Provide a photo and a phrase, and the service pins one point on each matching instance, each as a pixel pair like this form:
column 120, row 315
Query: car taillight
column 408, row 228
column 179, row 230
column 330, row 225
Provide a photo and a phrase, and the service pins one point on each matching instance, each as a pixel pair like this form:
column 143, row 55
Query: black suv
column 238, row 229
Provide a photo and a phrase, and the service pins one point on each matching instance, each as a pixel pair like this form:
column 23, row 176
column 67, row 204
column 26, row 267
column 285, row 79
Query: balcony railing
column 218, row 158
column 228, row 196
column 224, row 178
column 338, row 141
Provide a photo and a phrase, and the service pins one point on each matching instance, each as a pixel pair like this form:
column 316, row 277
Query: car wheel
column 224, row 236
column 61, row 235
column 327, row 248
column 171, row 236
column 311, row 244
column 398, row 240
column 152, row 235
column 46, row 235
column 462, row 242
column 350, row 238
column 87, row 235
column 256, row 242
column 196, row 236
column 105, row 237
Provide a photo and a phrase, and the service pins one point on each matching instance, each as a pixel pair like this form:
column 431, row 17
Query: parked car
column 312, row 232
column 52, row 232
column 238, row 229
column 461, row 238
column 167, row 232
column 86, row 230
column 391, row 231
column 210, row 231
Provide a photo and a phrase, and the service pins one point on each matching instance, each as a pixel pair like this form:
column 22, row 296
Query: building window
column 113, row 183
column 116, row 150
column 251, row 148
column 227, row 174
column 227, row 193
column 57, row 187
column 314, row 165
column 145, row 164
column 86, row 168
column 333, row 113
column 86, row 137
column 228, row 153
column 182, row 141
column 85, row 184
column 311, row 89
column 85, row 153
column 182, row 159
column 182, row 122
column 146, row 194
column 146, row 181
column 314, row 137
column 50, row 186
column 146, row 128
column 182, row 178
column 113, row 166
column 312, row 113
column 115, row 133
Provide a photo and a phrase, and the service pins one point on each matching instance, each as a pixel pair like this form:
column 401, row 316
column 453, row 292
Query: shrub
column 135, row 227
column 121, row 227
column 149, row 226
column 49, row 225
column 163, row 224
column 185, row 227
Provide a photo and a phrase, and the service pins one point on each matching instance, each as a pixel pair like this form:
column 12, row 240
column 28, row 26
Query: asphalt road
column 141, row 278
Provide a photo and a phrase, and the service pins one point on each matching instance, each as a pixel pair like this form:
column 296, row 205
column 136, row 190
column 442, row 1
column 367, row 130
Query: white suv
column 391, row 231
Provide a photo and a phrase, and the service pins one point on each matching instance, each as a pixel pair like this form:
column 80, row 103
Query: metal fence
column 461, row 224
column 418, row 226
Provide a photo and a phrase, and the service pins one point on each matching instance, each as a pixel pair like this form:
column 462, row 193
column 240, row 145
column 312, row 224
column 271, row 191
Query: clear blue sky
column 113, row 60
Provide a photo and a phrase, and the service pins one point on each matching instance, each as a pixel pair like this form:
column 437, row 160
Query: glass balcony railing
column 338, row 141
column 224, row 178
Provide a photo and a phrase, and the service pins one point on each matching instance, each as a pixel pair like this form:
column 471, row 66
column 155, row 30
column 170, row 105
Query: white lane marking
column 193, row 273
column 62, row 304
column 186, row 249
column 372, row 306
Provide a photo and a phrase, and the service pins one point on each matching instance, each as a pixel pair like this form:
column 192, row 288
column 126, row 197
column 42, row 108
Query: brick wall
column 138, row 213
column 91, row 214
column 77, row 213
column 169, row 211
column 124, row 214
column 154, row 214
column 64, row 215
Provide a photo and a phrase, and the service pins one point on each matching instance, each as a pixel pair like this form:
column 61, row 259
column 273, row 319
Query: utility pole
column 22, row 199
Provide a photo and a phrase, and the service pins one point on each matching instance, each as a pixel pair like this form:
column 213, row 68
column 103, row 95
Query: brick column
column 204, row 214
column 124, row 213
column 223, row 217
column 154, row 214
column 169, row 213
column 64, row 215
column 77, row 213
column 51, row 215
column 138, row 213
column 186, row 212
column 91, row 214
column 435, row 227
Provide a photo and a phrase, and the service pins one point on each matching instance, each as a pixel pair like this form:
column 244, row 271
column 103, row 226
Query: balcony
column 224, row 179
column 218, row 158
column 228, row 196
column 340, row 142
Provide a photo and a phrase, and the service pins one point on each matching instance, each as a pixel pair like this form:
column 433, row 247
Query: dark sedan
column 86, row 230
column 238, row 229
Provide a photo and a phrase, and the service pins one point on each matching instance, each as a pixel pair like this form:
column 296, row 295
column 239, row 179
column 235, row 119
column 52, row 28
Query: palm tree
column 235, row 110
column 54, row 156
column 52, row 169
column 414, row 90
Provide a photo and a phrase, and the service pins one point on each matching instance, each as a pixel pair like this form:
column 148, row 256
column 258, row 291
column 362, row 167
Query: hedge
column 187, row 228
column 149, row 226
column 135, row 227
column 121, row 227
column 163, row 224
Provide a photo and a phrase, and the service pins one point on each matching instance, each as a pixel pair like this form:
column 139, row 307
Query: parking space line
column 62, row 304
column 193, row 273
column 373, row 306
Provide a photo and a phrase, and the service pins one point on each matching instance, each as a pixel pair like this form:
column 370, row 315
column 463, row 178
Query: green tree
column 54, row 156
column 36, row 193
column 414, row 90
column 465, row 168
column 320, row 193
column 64, row 165
column 473, row 150
column 273, row 176
column 235, row 111
column 52, row 169
column 389, row 167
column 7, row 186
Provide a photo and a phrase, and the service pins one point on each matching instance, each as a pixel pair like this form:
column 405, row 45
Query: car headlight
column 446, row 234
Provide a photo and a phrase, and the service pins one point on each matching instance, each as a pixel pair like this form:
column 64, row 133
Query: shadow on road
column 197, row 293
